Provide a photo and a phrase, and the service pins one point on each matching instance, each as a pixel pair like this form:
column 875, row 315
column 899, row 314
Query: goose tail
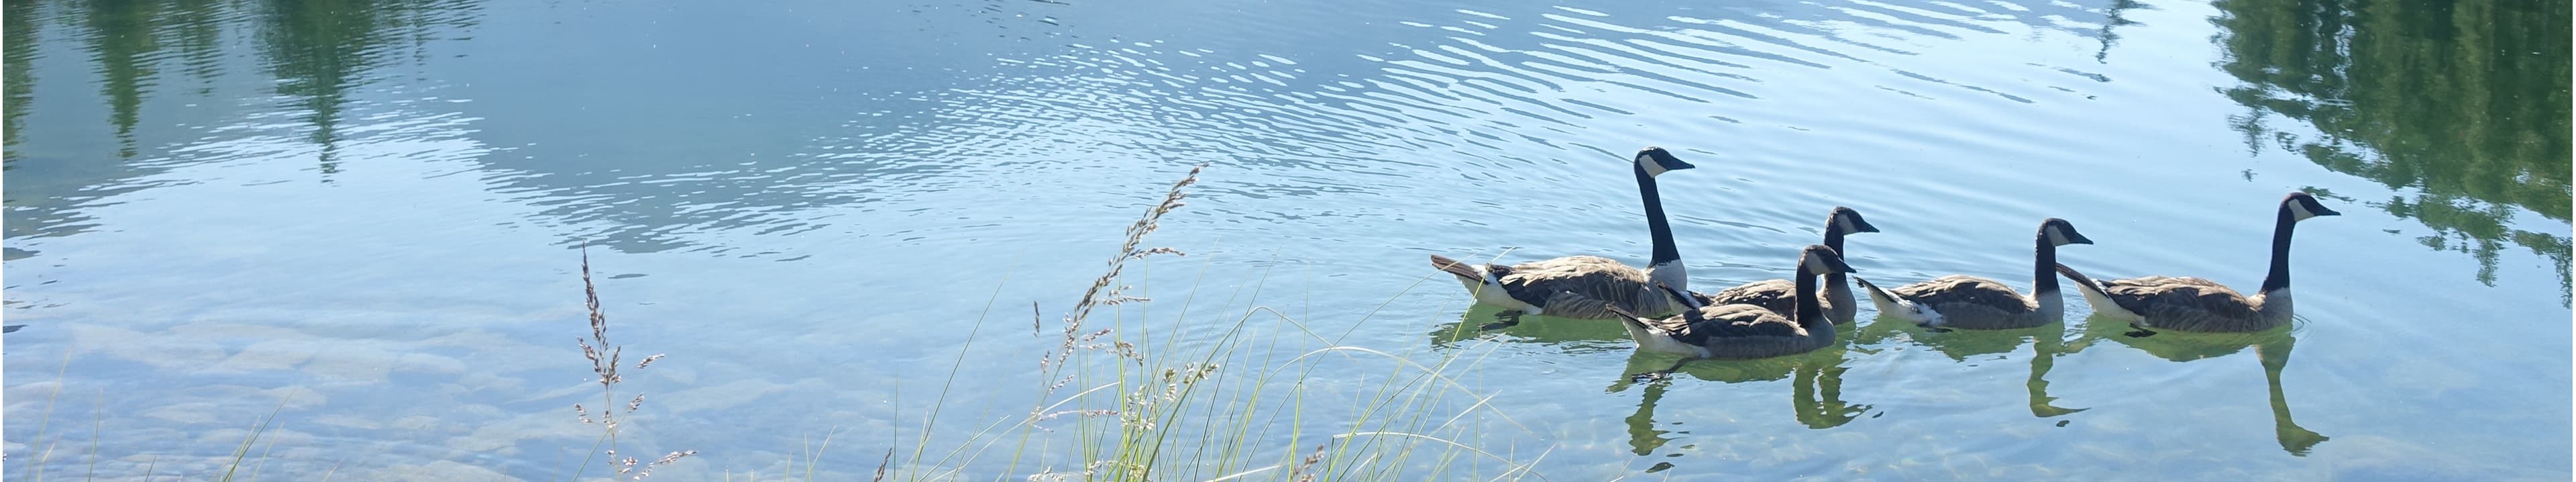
column 1456, row 268
column 2090, row 286
column 2098, row 294
column 1626, row 317
column 1897, row 307
column 1876, row 295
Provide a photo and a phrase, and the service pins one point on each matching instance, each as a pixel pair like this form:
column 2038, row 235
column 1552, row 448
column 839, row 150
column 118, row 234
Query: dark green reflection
column 18, row 51
column 2049, row 343
column 2272, row 347
column 320, row 51
column 2111, row 19
column 2466, row 102
column 196, row 28
column 317, row 54
column 119, row 37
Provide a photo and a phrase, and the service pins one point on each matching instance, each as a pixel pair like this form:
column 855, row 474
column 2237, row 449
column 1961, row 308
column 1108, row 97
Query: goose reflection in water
column 1816, row 397
column 2272, row 347
column 2050, row 343
column 1815, row 390
column 1575, row 335
column 1817, row 393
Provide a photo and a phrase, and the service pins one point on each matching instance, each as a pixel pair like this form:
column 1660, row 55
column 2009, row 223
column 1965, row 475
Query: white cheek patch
column 1845, row 224
column 1670, row 273
column 2056, row 237
column 2299, row 211
column 1652, row 168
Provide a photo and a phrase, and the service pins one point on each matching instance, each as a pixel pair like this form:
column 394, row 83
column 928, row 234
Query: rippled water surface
column 363, row 216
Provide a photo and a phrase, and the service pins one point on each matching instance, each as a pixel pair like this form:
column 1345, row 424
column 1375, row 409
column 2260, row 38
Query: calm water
column 372, row 207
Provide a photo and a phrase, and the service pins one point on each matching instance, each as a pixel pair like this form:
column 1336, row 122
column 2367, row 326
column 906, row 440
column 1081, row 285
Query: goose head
column 2303, row 206
column 1848, row 221
column 1823, row 260
column 1656, row 161
column 2061, row 233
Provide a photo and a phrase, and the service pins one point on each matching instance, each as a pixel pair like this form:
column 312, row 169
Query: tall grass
column 35, row 469
column 606, row 360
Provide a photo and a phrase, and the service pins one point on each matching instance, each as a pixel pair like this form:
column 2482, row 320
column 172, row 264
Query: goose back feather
column 2179, row 303
column 1977, row 303
column 1538, row 287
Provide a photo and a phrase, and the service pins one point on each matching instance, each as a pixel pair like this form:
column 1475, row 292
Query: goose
column 1985, row 304
column 1533, row 287
column 2195, row 304
column 1741, row 331
column 1774, row 294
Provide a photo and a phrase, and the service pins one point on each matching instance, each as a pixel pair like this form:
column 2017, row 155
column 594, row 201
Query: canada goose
column 2194, row 304
column 1742, row 331
column 1984, row 304
column 1774, row 294
column 1530, row 288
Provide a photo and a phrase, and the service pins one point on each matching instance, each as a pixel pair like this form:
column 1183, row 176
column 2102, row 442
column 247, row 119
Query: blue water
column 364, row 217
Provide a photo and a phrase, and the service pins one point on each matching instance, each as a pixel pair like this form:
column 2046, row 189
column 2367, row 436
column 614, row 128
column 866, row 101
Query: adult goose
column 1535, row 287
column 1742, row 331
column 1981, row 303
column 1775, row 295
column 2194, row 304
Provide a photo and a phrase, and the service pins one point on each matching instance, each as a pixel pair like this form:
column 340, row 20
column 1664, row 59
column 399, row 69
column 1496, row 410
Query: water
column 363, row 216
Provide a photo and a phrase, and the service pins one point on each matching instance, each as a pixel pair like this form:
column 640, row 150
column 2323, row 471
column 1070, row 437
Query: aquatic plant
column 605, row 360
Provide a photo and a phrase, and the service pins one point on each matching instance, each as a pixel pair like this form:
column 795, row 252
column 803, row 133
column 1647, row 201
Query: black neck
column 1809, row 311
column 2280, row 277
column 1834, row 239
column 1662, row 231
column 2043, row 278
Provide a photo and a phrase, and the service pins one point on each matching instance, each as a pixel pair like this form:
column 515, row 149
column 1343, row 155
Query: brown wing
column 1568, row 302
column 1680, row 327
column 2181, row 302
column 1590, row 276
column 1943, row 292
column 1778, row 296
column 1734, row 321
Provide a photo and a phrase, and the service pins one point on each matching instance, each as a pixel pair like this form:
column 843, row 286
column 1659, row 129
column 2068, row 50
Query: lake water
column 363, row 216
